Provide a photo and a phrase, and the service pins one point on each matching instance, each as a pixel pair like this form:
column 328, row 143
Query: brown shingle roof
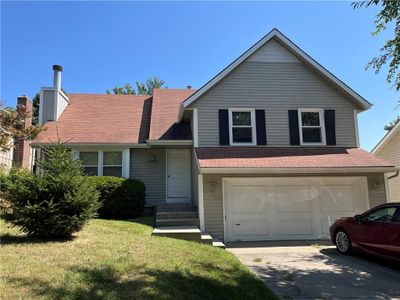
column 285, row 157
column 166, row 103
column 100, row 119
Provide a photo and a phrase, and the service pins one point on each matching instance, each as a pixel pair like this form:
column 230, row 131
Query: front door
column 178, row 176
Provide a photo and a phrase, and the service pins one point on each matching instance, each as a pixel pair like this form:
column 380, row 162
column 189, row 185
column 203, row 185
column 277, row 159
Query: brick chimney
column 22, row 150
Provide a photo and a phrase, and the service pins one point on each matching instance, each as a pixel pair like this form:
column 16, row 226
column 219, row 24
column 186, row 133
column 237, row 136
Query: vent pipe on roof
column 57, row 76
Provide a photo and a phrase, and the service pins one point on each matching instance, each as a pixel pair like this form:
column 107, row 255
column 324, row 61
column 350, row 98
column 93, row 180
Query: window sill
column 313, row 144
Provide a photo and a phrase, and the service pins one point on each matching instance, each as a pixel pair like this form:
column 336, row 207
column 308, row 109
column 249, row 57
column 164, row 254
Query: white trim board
column 344, row 170
column 88, row 145
column 169, row 142
column 275, row 33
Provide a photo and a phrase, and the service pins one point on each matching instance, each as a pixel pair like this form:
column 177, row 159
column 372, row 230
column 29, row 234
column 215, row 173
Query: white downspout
column 201, row 202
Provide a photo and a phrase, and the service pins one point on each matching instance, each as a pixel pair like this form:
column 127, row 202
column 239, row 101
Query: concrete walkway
column 300, row 271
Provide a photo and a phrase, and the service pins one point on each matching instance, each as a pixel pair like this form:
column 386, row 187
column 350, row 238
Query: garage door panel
column 337, row 198
column 249, row 199
column 293, row 198
column 294, row 227
column 251, row 228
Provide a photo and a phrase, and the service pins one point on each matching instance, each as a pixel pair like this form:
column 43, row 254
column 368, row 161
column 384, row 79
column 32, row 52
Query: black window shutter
column 260, row 127
column 330, row 131
column 294, row 127
column 223, row 127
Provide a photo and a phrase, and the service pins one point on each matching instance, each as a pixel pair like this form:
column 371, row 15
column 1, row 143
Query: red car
column 376, row 232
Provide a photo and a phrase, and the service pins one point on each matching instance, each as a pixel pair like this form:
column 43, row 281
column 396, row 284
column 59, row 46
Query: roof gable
column 387, row 138
column 262, row 50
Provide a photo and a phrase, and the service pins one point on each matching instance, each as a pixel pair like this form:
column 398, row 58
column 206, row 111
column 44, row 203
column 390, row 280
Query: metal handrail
column 154, row 216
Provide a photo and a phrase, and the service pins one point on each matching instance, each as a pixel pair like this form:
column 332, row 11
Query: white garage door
column 292, row 208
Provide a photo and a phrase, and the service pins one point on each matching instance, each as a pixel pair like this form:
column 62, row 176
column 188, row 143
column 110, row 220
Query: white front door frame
column 188, row 198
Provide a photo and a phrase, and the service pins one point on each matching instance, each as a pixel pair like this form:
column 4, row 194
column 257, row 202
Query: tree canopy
column 145, row 88
column 389, row 126
column 12, row 126
column 390, row 52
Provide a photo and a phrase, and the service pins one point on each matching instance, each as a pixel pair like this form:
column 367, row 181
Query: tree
column 56, row 203
column 145, row 88
column 390, row 52
column 127, row 89
column 13, row 127
column 35, row 109
column 389, row 126
column 150, row 84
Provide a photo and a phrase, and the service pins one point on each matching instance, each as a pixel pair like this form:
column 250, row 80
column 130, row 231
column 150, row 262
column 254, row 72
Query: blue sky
column 103, row 44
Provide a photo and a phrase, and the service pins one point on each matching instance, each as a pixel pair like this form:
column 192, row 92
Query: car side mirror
column 358, row 218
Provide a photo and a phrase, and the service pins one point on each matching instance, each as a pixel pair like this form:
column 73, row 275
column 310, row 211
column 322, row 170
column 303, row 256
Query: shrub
column 57, row 203
column 120, row 198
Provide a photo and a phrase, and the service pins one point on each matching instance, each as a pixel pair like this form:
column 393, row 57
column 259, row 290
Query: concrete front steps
column 188, row 233
column 180, row 221
column 177, row 218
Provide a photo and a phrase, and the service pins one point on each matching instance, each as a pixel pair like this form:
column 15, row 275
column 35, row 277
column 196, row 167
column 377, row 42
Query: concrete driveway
column 315, row 270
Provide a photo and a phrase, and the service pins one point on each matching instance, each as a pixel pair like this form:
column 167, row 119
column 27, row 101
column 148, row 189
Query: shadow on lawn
column 106, row 283
column 23, row 239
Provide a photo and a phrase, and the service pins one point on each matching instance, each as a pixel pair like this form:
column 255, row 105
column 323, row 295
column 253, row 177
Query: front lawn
column 121, row 260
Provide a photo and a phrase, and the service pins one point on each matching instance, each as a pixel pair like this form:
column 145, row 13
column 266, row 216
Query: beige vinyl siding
column 213, row 204
column 390, row 152
column 151, row 174
column 276, row 87
column 376, row 189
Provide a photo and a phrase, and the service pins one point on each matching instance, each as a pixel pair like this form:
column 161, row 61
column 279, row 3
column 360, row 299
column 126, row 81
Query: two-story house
column 268, row 149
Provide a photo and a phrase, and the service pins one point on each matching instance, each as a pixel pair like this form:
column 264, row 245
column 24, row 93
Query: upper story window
column 242, row 126
column 311, row 126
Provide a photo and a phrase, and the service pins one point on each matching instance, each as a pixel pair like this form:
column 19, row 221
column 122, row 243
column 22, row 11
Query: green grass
column 120, row 260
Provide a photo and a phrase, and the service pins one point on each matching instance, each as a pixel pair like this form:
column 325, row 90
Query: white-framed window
column 242, row 126
column 311, row 126
column 110, row 162
column 90, row 162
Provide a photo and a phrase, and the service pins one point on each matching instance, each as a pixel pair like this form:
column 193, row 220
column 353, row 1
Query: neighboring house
column 266, row 150
column 21, row 154
column 389, row 149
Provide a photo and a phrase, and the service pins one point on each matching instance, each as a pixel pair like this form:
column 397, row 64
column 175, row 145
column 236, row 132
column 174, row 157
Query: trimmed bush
column 120, row 198
column 57, row 203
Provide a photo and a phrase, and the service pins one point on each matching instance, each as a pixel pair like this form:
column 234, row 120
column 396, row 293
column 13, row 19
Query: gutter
column 342, row 170
column 395, row 174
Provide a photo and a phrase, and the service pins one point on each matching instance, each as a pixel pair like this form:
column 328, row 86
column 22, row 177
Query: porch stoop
column 180, row 221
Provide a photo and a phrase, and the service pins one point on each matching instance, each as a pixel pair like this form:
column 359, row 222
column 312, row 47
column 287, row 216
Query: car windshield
column 384, row 214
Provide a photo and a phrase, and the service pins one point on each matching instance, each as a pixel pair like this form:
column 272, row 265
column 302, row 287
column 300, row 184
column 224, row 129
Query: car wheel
column 342, row 241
